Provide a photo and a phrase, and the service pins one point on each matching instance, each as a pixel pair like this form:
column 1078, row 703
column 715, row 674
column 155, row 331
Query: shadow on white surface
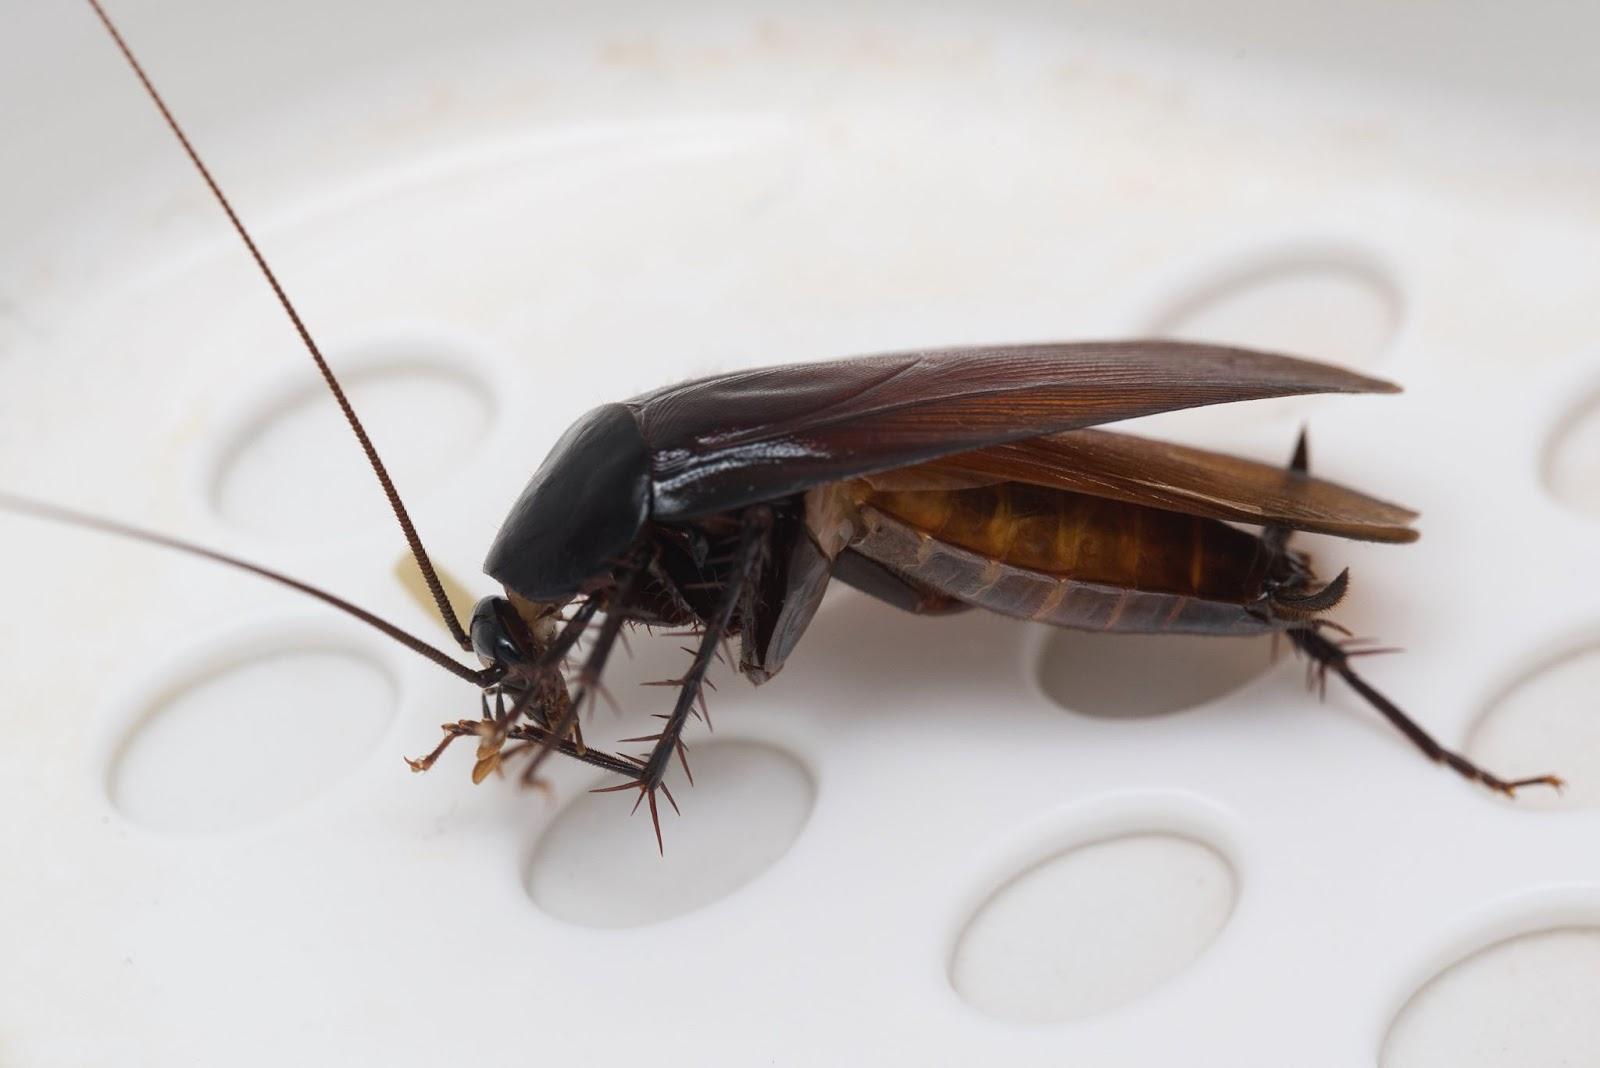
column 1128, row 676
column 596, row 867
column 1124, row 915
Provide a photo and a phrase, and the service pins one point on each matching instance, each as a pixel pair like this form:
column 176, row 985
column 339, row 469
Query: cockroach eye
column 491, row 638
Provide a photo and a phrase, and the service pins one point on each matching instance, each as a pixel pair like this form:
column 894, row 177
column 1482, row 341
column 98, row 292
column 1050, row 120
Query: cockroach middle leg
column 1327, row 655
column 747, row 560
column 588, row 680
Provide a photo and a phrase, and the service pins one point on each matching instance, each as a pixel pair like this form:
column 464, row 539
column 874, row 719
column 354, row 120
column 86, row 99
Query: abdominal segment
column 1068, row 558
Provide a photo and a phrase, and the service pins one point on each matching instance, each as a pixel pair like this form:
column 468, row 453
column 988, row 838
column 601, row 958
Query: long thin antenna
column 431, row 577
column 55, row 513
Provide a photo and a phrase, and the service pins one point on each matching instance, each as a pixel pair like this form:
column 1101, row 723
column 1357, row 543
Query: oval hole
column 1323, row 309
column 1572, row 459
column 250, row 739
column 295, row 471
column 1546, row 723
column 1126, row 676
column 1525, row 1001
column 1093, row 928
column 596, row 867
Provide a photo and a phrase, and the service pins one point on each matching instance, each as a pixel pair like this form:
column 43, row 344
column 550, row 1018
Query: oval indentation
column 1093, row 928
column 294, row 471
column 1526, row 1000
column 1322, row 308
column 597, row 867
column 251, row 738
column 1572, row 459
column 1546, row 723
column 1126, row 676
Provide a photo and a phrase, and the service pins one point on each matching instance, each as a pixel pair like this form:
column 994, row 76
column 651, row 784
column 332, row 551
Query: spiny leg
column 747, row 559
column 502, row 719
column 593, row 667
column 537, row 736
column 1276, row 536
column 490, row 730
column 533, row 736
column 492, row 733
column 1330, row 656
column 1324, row 655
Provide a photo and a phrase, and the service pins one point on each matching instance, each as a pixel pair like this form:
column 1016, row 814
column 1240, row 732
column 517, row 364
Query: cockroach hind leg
column 1509, row 787
column 1300, row 461
column 1276, row 536
column 1327, row 655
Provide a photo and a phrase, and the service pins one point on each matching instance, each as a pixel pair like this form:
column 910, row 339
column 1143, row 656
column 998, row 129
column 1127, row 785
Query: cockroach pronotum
column 937, row 481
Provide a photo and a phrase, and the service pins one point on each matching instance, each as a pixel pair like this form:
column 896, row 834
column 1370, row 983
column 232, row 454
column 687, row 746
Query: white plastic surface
column 500, row 214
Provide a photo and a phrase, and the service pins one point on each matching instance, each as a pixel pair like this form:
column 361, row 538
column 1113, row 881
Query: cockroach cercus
column 938, row 481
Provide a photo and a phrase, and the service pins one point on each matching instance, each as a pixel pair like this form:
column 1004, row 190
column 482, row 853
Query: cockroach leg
column 1327, row 656
column 588, row 680
column 541, row 740
column 492, row 729
column 747, row 560
column 452, row 731
column 1276, row 536
column 663, row 582
column 481, row 728
column 1300, row 462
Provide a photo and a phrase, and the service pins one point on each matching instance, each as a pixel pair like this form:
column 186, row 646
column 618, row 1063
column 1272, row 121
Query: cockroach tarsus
column 935, row 481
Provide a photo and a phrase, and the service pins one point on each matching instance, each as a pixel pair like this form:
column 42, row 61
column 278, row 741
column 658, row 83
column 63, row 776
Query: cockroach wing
column 735, row 439
column 1182, row 479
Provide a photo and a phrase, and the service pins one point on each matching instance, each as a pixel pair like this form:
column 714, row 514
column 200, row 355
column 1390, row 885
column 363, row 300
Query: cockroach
column 936, row 481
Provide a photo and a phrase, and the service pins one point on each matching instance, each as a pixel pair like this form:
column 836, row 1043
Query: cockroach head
column 508, row 632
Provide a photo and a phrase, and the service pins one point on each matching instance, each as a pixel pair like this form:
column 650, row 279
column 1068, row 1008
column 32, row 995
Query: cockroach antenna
column 429, row 575
column 10, row 502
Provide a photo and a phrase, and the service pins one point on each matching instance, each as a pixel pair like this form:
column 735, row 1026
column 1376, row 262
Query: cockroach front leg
column 757, row 525
column 492, row 730
column 461, row 728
